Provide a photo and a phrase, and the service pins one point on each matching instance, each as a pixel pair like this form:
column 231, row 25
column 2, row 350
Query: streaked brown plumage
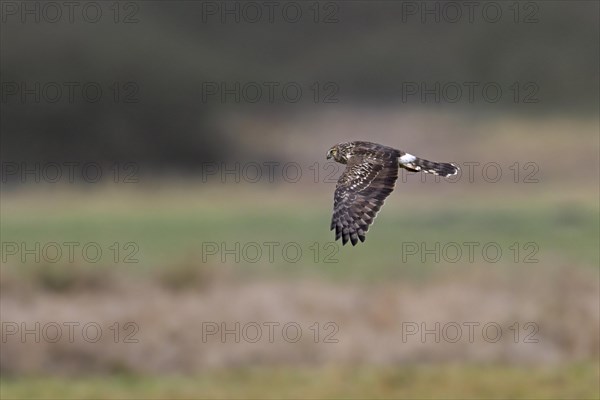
column 370, row 176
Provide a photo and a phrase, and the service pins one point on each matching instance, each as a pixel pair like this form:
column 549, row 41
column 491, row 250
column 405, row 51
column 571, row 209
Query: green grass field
column 170, row 231
column 440, row 382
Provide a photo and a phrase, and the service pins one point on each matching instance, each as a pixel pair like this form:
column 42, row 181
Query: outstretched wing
column 360, row 192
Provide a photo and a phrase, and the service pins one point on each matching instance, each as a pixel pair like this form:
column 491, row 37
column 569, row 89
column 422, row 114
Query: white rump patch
column 407, row 158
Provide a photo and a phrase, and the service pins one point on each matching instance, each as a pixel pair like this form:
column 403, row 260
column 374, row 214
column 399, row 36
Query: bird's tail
column 412, row 163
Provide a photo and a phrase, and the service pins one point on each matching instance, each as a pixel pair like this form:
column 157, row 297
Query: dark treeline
column 149, row 81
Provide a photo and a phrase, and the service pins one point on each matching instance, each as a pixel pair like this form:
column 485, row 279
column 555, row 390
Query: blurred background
column 166, row 200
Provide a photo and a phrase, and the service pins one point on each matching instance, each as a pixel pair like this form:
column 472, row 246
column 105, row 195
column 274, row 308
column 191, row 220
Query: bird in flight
column 370, row 175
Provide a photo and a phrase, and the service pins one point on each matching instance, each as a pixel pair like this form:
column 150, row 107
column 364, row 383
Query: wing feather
column 367, row 181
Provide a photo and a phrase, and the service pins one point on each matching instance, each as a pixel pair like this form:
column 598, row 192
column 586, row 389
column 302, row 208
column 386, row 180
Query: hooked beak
column 329, row 154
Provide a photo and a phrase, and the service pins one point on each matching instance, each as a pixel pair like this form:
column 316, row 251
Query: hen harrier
column 370, row 176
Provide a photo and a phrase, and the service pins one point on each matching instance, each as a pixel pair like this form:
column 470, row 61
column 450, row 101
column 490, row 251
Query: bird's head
column 339, row 153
